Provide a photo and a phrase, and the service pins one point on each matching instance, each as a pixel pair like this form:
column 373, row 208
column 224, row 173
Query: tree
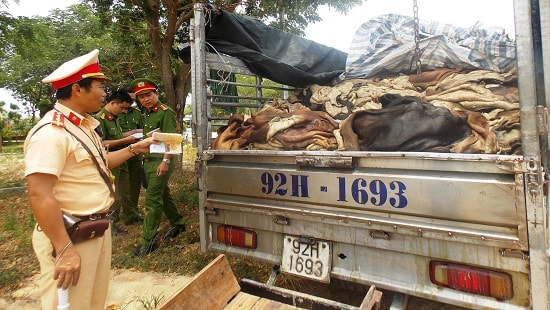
column 166, row 25
column 38, row 45
column 293, row 16
column 137, row 38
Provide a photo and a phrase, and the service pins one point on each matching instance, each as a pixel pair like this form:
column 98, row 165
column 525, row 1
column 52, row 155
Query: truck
column 470, row 230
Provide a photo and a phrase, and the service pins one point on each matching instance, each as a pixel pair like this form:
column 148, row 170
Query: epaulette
column 164, row 107
column 102, row 115
column 58, row 120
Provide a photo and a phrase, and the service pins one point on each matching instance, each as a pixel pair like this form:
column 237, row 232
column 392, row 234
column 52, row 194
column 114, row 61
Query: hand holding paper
column 170, row 143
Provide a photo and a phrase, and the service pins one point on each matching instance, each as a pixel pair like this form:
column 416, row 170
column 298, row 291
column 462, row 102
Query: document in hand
column 170, row 143
column 137, row 135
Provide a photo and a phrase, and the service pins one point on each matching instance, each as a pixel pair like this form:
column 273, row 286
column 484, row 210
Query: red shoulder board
column 163, row 107
column 58, row 119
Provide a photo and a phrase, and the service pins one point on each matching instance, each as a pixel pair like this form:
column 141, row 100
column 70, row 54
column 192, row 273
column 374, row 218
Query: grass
column 181, row 256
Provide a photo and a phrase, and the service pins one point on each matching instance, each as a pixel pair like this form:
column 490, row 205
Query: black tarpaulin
column 272, row 53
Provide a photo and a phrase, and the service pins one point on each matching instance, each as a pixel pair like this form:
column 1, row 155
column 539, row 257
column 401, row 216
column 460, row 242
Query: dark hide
column 404, row 124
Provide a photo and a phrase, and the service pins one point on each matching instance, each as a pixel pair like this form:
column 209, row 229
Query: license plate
column 306, row 257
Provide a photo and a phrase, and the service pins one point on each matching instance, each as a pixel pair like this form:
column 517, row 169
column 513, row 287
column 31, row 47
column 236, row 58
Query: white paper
column 157, row 148
column 137, row 135
column 169, row 143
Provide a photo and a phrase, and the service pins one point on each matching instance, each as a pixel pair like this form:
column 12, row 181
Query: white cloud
column 37, row 7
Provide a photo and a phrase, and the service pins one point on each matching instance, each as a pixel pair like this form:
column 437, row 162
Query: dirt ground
column 127, row 290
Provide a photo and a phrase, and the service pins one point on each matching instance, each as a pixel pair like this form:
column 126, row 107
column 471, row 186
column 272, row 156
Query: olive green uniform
column 158, row 199
column 122, row 208
column 129, row 121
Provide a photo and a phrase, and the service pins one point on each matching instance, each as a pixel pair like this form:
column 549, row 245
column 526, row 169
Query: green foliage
column 38, row 45
column 12, row 148
column 10, row 276
column 294, row 16
column 16, row 226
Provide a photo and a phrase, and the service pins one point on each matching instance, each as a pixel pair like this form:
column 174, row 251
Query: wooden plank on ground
column 211, row 288
column 265, row 304
column 242, row 301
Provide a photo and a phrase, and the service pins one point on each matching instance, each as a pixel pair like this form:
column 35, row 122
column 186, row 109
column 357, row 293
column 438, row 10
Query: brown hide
column 481, row 141
column 273, row 128
column 233, row 136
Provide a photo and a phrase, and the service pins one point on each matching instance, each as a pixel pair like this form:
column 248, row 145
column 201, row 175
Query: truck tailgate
column 466, row 198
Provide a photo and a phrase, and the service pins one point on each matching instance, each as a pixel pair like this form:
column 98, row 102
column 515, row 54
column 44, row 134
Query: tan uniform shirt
column 52, row 150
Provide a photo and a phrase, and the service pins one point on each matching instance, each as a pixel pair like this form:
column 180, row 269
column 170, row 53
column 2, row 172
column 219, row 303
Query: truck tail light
column 237, row 236
column 472, row 280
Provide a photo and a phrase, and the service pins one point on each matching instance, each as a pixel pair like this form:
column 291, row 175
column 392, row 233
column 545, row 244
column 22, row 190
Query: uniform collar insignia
column 75, row 119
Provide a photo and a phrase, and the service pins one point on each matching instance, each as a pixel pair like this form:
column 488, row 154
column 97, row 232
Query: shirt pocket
column 80, row 154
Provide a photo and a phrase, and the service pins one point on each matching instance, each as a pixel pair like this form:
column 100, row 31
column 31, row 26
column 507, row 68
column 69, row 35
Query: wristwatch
column 166, row 161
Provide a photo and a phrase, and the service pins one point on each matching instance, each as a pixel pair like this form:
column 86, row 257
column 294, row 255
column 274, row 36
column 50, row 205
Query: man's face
column 148, row 99
column 119, row 107
column 93, row 99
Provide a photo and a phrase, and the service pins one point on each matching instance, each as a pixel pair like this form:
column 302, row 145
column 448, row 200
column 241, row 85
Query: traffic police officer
column 157, row 169
column 64, row 167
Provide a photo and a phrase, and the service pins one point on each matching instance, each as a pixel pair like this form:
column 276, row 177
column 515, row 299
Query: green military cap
column 143, row 84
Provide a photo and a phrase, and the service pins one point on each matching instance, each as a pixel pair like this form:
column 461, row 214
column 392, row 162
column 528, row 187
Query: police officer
column 115, row 139
column 157, row 168
column 65, row 166
column 131, row 121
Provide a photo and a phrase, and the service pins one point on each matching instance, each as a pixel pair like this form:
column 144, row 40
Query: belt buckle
column 94, row 217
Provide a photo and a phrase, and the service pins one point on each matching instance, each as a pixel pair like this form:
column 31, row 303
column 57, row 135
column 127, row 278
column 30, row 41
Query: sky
column 337, row 30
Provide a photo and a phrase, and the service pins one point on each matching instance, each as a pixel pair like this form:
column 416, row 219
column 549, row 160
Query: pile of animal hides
column 445, row 110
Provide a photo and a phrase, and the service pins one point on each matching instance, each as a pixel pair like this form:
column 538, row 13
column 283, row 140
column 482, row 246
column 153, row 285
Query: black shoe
column 143, row 250
column 174, row 232
column 136, row 220
column 119, row 231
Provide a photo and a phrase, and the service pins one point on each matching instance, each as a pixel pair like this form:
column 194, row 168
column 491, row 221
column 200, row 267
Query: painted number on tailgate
column 359, row 190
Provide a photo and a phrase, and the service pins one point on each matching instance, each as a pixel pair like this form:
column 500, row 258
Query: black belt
column 148, row 159
column 92, row 217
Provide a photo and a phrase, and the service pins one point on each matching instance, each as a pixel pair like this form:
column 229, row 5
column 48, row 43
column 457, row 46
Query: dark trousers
column 158, row 201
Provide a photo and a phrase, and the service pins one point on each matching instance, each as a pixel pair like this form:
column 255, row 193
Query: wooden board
column 242, row 301
column 211, row 288
column 251, row 302
column 215, row 287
